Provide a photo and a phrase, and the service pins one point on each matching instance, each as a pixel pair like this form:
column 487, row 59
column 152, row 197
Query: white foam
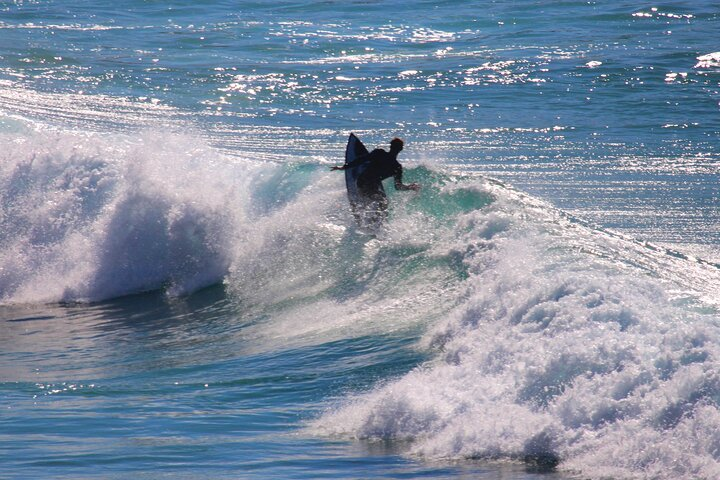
column 561, row 353
column 322, row 280
column 88, row 217
column 710, row 60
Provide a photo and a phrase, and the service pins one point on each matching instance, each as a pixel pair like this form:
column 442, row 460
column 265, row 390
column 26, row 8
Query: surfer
column 378, row 165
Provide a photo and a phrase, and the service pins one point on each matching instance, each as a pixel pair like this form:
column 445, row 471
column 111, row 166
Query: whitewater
column 184, row 291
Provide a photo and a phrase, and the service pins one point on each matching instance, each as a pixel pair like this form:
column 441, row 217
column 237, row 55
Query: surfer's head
column 396, row 144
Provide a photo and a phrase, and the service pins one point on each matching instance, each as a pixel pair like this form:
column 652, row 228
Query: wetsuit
column 372, row 209
column 381, row 165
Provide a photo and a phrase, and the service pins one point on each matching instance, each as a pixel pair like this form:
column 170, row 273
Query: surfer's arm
column 357, row 161
column 399, row 185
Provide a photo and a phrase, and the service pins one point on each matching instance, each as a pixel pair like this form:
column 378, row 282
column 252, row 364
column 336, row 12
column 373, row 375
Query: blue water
column 184, row 293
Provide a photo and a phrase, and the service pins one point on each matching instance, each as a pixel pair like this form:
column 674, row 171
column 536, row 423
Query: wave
column 550, row 341
column 571, row 347
column 91, row 216
column 88, row 217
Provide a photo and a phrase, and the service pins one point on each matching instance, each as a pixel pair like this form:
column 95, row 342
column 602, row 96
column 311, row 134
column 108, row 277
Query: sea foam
column 88, row 216
column 588, row 359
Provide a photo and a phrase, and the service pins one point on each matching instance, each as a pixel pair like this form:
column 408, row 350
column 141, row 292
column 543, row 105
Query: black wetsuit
column 381, row 165
column 371, row 209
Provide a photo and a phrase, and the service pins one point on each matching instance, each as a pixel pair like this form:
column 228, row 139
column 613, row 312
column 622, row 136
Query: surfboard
column 354, row 149
column 369, row 212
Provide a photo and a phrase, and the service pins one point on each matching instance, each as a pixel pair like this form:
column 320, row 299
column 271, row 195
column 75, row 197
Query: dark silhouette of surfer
column 378, row 165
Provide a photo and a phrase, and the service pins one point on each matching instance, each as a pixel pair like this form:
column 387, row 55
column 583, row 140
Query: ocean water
column 184, row 294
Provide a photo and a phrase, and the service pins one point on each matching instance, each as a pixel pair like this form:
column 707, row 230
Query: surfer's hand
column 407, row 186
column 335, row 168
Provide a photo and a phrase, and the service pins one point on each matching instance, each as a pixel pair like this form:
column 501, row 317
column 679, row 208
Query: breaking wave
column 549, row 341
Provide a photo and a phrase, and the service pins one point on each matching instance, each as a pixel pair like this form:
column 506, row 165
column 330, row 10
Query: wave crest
column 89, row 217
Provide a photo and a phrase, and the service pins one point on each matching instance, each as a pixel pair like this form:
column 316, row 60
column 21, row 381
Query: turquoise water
column 183, row 291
